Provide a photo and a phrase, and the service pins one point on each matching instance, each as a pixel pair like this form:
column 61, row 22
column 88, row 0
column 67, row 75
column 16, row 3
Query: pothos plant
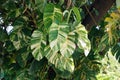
column 59, row 39
column 48, row 41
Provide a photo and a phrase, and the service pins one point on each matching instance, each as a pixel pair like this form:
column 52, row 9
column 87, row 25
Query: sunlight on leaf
column 36, row 46
column 62, row 63
column 83, row 41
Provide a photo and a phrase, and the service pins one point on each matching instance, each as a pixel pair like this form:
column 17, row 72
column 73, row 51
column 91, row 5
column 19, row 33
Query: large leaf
column 68, row 47
column 60, row 62
column 82, row 39
column 51, row 13
column 36, row 41
column 60, row 40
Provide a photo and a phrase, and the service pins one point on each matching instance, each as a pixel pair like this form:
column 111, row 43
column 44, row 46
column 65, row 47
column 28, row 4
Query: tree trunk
column 92, row 19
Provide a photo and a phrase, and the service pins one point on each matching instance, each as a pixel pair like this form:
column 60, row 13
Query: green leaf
column 61, row 2
column 57, row 35
column 65, row 66
column 40, row 4
column 22, row 56
column 38, row 66
column 82, row 39
column 80, row 2
column 2, row 74
column 116, row 51
column 36, row 45
column 61, row 63
column 9, row 46
column 68, row 47
column 60, row 39
column 103, row 45
column 3, row 35
column 19, row 39
column 51, row 14
column 23, row 75
column 77, row 14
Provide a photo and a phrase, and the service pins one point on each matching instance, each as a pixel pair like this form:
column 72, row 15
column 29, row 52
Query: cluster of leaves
column 44, row 37
column 110, row 66
column 110, row 62
column 113, row 26
column 106, row 43
column 48, row 41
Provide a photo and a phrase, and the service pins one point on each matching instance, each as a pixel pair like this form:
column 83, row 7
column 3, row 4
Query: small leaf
column 80, row 2
column 19, row 39
column 108, row 19
column 17, row 12
column 2, row 74
column 77, row 13
column 3, row 35
column 36, row 46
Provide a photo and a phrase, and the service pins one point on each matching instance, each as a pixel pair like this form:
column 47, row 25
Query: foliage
column 110, row 67
column 110, row 63
column 49, row 42
column 112, row 28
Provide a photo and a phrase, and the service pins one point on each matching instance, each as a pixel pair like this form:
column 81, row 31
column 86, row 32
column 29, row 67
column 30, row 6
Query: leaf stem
column 68, row 18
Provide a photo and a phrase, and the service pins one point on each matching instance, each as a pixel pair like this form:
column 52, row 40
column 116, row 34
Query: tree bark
column 102, row 6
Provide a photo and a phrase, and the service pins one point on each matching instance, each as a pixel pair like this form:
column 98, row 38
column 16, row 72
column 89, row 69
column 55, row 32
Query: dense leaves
column 61, row 40
column 46, row 40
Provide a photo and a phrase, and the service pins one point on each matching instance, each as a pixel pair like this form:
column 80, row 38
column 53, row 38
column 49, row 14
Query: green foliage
column 49, row 42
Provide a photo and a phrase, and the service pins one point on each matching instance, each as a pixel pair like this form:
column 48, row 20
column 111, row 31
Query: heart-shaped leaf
column 36, row 45
column 61, row 39
column 62, row 63
column 82, row 39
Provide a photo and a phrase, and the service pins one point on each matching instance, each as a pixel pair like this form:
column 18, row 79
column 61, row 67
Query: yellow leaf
column 114, row 15
column 108, row 19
